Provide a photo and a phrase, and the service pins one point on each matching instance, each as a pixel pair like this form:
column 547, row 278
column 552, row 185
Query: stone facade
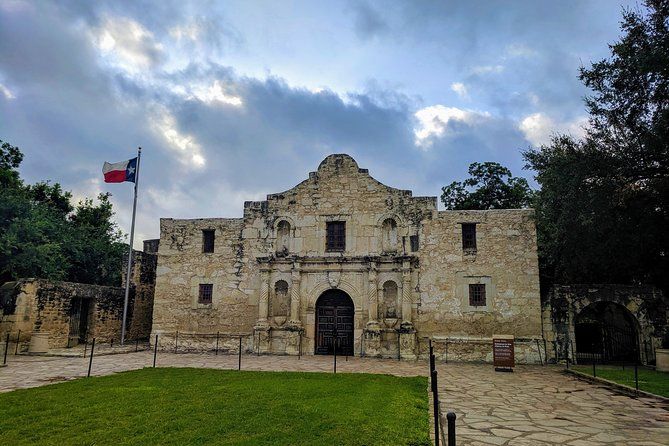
column 401, row 262
column 143, row 288
column 61, row 310
column 643, row 308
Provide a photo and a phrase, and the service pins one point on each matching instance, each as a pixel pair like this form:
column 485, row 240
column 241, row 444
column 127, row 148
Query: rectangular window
column 336, row 236
column 414, row 243
column 206, row 290
column 477, row 294
column 469, row 236
column 208, row 237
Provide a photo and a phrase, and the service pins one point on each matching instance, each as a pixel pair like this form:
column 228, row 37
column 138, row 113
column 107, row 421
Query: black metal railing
column 601, row 358
column 440, row 436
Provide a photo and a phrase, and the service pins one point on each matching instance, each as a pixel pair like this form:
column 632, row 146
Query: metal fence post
column 239, row 364
column 335, row 353
column 450, row 416
column 299, row 349
column 4, row 361
column 155, row 352
column 435, row 405
column 18, row 339
column 176, row 342
column 90, row 360
column 85, row 347
column 432, row 361
column 636, row 376
column 218, row 334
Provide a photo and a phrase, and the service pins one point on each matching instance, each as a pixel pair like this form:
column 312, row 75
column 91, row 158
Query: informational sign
column 502, row 350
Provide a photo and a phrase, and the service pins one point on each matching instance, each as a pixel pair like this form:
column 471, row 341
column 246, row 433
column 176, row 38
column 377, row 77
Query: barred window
column 477, row 294
column 469, row 236
column 414, row 243
column 336, row 236
column 208, row 237
column 206, row 291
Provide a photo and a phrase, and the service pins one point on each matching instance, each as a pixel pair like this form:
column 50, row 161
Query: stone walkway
column 532, row 406
column 541, row 406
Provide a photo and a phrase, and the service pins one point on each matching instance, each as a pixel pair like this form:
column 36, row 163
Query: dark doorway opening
column 334, row 323
column 79, row 314
column 606, row 332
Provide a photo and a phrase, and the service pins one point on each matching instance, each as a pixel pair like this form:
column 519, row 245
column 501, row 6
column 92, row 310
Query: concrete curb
column 629, row 391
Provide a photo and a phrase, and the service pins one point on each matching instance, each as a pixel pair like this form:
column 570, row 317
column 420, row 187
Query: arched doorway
column 334, row 321
column 606, row 332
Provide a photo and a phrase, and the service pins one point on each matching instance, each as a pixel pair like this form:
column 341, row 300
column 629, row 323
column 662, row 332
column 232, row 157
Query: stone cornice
column 367, row 261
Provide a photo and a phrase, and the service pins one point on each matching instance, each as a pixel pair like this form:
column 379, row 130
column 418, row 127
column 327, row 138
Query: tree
column 43, row 235
column 10, row 159
column 97, row 248
column 602, row 209
column 32, row 238
column 493, row 188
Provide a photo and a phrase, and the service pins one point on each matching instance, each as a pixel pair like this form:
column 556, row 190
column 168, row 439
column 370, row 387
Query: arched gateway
column 334, row 320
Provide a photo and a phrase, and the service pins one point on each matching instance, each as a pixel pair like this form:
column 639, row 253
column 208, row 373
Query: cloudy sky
column 232, row 100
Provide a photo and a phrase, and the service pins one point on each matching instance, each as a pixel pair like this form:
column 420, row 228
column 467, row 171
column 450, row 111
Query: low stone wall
column 203, row 342
column 31, row 305
column 464, row 349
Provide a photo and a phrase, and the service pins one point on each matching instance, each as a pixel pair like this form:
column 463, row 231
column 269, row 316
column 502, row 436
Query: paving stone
column 505, row 433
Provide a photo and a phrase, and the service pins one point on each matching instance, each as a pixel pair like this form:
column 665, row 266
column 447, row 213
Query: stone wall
column 563, row 303
column 182, row 267
column 403, row 268
column 31, row 305
column 142, row 287
column 505, row 260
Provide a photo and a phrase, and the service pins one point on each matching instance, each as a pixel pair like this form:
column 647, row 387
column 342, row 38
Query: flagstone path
column 537, row 405
column 532, row 406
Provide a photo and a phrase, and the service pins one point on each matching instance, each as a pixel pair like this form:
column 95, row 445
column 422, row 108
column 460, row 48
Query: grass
column 179, row 406
column 649, row 380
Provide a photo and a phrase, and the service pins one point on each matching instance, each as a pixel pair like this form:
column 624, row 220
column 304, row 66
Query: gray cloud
column 73, row 108
column 367, row 20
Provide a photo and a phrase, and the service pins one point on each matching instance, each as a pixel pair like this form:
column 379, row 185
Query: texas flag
column 120, row 172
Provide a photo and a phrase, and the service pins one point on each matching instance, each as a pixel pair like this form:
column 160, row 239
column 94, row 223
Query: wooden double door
column 334, row 323
column 79, row 315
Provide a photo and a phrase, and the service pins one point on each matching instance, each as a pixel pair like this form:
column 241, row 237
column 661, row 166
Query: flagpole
column 132, row 236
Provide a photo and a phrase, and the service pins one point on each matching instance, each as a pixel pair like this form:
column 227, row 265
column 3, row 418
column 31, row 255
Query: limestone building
column 341, row 258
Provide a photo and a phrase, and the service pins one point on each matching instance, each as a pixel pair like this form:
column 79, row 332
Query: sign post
column 503, row 353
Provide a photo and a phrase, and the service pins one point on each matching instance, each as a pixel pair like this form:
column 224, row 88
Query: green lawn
column 649, row 380
column 200, row 406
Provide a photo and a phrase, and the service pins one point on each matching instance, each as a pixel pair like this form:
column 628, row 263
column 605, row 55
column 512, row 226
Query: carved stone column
column 295, row 296
column 263, row 301
column 372, row 333
column 373, row 298
column 406, row 330
column 262, row 329
column 406, row 293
